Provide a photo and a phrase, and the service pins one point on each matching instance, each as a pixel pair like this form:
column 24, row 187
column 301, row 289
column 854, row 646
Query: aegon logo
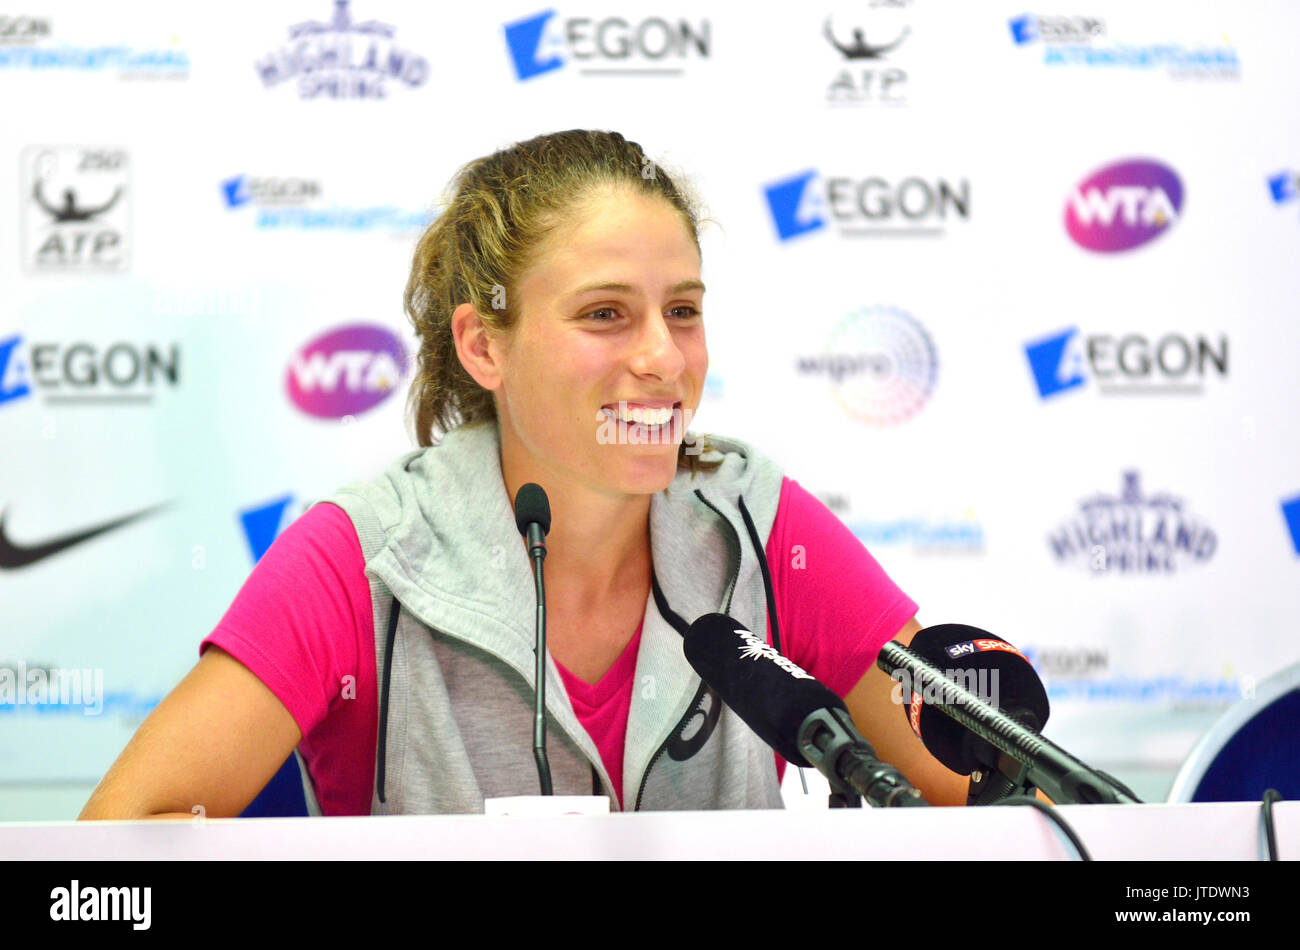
column 244, row 189
column 346, row 371
column 1123, row 206
column 543, row 42
column 866, row 207
column 22, row 29
column 1127, row 364
column 84, row 372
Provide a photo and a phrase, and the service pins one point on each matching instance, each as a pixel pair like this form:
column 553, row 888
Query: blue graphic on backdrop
column 342, row 58
column 293, row 204
column 1284, row 187
column 1133, row 533
column 1073, row 41
column 792, row 202
column 1056, row 29
column 1053, row 372
column 1291, row 512
column 923, row 535
column 524, row 40
column 21, row 47
column 262, row 524
column 13, row 372
column 652, row 46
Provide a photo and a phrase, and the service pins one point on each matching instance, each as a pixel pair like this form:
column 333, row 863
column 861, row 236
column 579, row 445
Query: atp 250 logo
column 1124, row 205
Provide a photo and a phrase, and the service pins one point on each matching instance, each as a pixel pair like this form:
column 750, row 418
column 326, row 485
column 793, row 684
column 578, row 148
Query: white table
column 1229, row 831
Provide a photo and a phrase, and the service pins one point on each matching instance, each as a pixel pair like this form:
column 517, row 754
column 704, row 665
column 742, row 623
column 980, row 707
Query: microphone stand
column 1025, row 755
column 833, row 746
column 537, row 548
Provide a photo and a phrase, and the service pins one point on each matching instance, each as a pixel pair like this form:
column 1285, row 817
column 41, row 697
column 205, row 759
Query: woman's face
column 605, row 366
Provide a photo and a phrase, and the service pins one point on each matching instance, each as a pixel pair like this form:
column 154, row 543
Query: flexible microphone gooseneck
column 533, row 519
column 791, row 711
column 1027, row 757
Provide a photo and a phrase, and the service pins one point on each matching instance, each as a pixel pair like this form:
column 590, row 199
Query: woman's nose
column 657, row 353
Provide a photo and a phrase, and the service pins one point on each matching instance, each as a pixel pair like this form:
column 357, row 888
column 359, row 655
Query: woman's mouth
column 647, row 422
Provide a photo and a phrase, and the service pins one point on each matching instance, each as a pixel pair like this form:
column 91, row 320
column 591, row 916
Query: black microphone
column 791, row 711
column 1026, row 756
column 533, row 519
column 995, row 671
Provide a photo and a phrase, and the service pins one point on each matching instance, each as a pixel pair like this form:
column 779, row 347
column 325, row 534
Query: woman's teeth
column 647, row 417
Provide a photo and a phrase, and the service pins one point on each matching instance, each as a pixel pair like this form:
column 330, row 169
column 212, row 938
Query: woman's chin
column 644, row 471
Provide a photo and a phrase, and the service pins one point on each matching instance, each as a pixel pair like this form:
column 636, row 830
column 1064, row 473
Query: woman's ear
column 479, row 351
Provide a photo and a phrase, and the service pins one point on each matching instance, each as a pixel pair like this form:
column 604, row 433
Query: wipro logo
column 1123, row 206
column 653, row 46
column 346, row 371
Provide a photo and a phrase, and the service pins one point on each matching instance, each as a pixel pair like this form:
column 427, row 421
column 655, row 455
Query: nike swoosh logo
column 21, row 555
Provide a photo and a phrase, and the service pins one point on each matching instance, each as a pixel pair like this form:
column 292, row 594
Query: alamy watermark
column 21, row 685
column 643, row 426
column 982, row 683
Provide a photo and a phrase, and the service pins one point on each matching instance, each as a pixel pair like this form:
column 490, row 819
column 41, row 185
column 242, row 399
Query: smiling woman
column 560, row 313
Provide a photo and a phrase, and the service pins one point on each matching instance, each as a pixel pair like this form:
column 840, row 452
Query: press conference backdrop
column 1012, row 288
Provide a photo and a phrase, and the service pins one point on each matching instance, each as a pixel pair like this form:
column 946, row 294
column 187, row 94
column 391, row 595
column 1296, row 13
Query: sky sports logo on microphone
column 1123, row 205
column 609, row 46
column 346, row 371
column 872, row 206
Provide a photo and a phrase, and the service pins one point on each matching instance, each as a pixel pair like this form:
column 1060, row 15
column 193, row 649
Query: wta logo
column 346, row 371
column 1123, row 206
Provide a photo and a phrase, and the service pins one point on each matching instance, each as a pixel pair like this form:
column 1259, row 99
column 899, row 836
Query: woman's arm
column 213, row 742
column 882, row 723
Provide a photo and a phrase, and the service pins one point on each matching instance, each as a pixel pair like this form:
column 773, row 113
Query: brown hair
column 500, row 208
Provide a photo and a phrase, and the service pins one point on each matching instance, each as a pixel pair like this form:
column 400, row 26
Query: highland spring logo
column 1123, row 205
column 1133, row 533
column 343, row 59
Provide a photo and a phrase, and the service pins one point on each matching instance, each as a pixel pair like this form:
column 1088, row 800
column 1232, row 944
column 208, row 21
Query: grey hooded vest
column 456, row 662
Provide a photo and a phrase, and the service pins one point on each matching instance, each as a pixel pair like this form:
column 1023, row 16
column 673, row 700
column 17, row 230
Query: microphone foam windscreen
column 767, row 690
column 531, row 504
column 985, row 665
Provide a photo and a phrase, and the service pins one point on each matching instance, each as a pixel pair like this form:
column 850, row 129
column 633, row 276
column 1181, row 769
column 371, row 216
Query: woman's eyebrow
column 677, row 288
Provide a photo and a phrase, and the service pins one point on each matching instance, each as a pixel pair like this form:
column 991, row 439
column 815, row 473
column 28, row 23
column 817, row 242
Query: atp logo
column 346, row 371
column 796, row 204
column 1123, row 206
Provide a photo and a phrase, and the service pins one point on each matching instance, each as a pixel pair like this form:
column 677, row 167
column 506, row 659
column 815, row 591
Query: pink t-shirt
column 835, row 606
